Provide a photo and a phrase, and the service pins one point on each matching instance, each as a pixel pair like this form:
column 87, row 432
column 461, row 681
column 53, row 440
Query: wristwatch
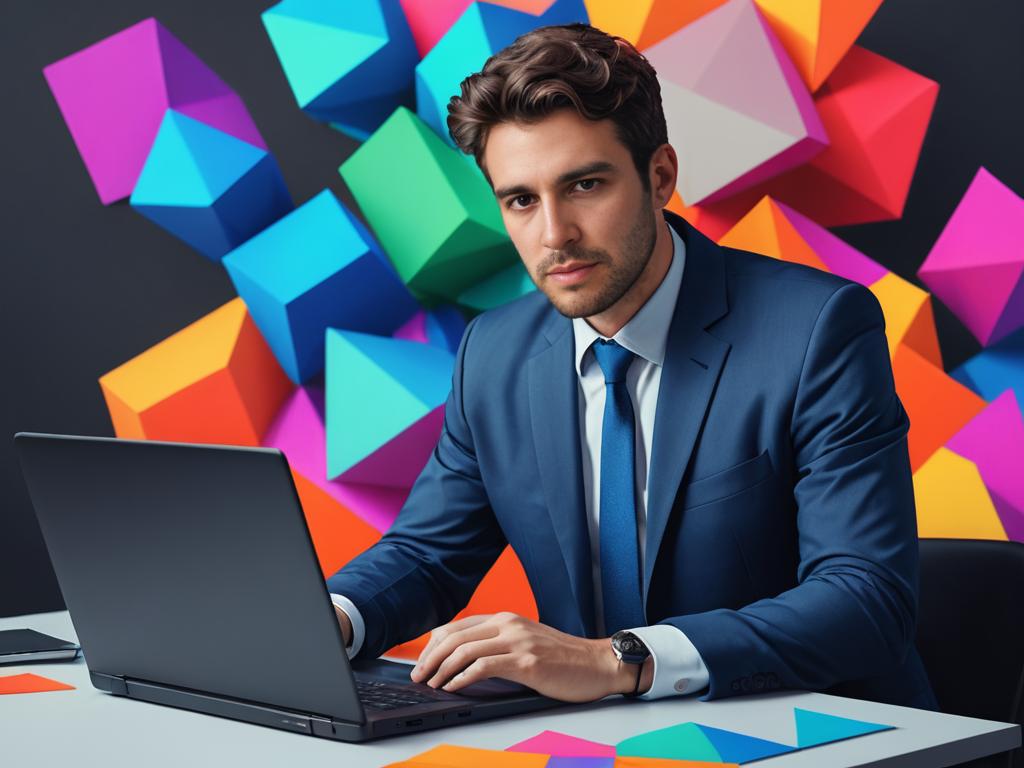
column 630, row 649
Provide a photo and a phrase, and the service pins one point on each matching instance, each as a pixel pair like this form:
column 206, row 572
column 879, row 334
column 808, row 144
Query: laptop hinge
column 109, row 683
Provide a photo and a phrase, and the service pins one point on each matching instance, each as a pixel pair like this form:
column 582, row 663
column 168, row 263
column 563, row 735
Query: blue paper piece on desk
column 580, row 762
column 816, row 728
column 740, row 748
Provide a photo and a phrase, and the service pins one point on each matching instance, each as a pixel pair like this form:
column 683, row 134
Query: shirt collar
column 646, row 333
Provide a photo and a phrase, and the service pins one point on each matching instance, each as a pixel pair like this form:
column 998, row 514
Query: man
column 695, row 451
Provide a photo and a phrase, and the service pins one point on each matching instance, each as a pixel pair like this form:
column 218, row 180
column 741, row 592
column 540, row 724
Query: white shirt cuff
column 356, row 619
column 678, row 667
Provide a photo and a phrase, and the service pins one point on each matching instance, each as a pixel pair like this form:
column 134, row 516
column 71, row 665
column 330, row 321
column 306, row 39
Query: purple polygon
column 114, row 93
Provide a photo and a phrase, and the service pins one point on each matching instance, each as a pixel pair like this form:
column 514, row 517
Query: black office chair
column 970, row 631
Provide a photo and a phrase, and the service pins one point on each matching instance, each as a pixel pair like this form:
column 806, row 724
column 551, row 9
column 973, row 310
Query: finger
column 424, row 664
column 465, row 655
column 448, row 644
column 439, row 633
column 501, row 665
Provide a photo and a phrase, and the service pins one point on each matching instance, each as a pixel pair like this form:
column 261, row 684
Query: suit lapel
column 693, row 362
column 554, row 416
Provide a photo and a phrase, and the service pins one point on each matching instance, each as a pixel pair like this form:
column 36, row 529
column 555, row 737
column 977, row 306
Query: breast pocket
column 728, row 482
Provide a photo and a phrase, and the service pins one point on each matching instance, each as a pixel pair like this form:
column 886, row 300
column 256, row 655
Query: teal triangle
column 315, row 56
column 377, row 388
column 815, row 728
column 684, row 741
column 423, row 370
column 364, row 17
column 192, row 164
column 740, row 748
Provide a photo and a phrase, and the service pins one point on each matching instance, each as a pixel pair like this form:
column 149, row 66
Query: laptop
column 191, row 580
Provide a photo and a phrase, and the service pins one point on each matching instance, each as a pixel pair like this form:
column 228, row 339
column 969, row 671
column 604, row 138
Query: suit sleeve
column 852, row 614
column 427, row 565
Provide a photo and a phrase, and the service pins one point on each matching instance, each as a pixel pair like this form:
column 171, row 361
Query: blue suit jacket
column 781, row 529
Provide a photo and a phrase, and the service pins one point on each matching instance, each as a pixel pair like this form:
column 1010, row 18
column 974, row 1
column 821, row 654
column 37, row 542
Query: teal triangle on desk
column 815, row 728
column 739, row 748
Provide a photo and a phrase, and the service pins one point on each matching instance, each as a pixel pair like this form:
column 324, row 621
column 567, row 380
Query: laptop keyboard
column 380, row 695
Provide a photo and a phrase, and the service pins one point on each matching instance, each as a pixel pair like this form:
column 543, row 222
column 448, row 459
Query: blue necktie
column 620, row 556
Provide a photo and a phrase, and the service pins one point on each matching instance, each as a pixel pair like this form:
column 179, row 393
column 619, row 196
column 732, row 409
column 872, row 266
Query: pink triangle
column 840, row 257
column 562, row 745
column 977, row 294
column 195, row 90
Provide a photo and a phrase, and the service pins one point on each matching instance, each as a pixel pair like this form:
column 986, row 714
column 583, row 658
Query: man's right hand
column 346, row 625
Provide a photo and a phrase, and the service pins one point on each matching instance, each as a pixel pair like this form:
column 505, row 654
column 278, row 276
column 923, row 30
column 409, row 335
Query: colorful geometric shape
column 504, row 588
column 876, row 113
column 451, row 756
column 816, row 728
column 385, row 406
column 441, row 226
column 646, row 22
column 561, row 744
column 685, row 741
column 209, row 188
column 938, row 406
column 481, row 31
column 774, row 229
column 113, row 96
column 347, row 64
column 994, row 441
column 995, row 369
column 500, row 288
column 952, row 500
column 817, row 34
column 442, row 326
column 30, row 683
column 429, row 20
column 740, row 748
column 214, row 381
column 565, row 761
column 316, row 268
column 736, row 109
column 977, row 265
column 300, row 433
column 338, row 535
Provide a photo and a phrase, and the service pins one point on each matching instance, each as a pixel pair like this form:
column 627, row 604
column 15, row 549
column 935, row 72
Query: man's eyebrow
column 598, row 166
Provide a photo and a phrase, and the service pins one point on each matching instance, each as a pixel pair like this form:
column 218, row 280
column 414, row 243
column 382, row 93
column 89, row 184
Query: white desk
column 88, row 727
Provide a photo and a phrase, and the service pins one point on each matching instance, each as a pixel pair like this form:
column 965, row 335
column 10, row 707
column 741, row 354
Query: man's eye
column 519, row 199
column 591, row 182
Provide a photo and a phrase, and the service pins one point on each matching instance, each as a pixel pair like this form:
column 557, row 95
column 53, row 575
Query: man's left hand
column 554, row 664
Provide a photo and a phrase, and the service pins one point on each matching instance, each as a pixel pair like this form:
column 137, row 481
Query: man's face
column 571, row 199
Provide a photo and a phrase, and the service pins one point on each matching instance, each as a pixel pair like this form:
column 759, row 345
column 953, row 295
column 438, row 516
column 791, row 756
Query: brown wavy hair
column 575, row 65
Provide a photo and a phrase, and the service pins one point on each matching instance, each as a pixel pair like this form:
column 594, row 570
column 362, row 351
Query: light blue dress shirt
column 678, row 667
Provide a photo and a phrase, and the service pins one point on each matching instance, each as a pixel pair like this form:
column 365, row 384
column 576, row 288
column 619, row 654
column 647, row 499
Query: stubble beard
column 586, row 301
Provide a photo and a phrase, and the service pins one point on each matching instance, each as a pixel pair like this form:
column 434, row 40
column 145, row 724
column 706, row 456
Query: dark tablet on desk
column 20, row 645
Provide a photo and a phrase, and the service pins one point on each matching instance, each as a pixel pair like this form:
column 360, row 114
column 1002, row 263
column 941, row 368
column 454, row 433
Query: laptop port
column 464, row 713
column 413, row 723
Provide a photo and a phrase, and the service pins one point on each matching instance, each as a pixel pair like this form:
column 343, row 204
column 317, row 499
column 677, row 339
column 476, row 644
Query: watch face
column 629, row 647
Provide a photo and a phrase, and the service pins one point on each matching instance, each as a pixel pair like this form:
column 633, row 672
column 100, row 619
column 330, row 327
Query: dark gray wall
column 84, row 287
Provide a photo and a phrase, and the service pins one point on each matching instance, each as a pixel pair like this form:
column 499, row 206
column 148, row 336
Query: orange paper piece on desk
column 29, row 683
column 450, row 756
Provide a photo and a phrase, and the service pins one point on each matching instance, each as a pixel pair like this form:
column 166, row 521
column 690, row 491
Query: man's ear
column 663, row 172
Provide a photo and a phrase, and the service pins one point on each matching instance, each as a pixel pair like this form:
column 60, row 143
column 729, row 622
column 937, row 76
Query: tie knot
column 613, row 359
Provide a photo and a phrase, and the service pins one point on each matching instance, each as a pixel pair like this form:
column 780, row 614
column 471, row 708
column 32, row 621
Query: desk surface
column 88, row 727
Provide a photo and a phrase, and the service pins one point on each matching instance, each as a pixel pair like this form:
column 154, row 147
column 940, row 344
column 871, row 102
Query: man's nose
column 560, row 228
